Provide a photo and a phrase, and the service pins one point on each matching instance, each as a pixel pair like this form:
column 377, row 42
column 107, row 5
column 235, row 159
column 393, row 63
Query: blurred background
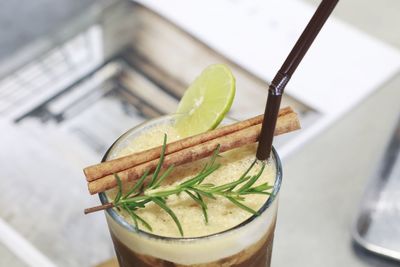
column 74, row 75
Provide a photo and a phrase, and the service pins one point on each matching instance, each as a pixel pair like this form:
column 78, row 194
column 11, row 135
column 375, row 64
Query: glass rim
column 122, row 222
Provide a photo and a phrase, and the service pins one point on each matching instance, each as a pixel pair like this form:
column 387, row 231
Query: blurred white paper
column 342, row 67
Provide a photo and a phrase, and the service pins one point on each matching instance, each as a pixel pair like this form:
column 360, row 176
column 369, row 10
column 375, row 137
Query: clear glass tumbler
column 248, row 244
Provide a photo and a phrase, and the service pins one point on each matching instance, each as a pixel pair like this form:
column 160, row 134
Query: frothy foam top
column 222, row 213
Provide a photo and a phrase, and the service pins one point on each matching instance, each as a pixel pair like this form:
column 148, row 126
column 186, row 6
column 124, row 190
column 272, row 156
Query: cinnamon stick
column 287, row 121
column 97, row 208
column 100, row 170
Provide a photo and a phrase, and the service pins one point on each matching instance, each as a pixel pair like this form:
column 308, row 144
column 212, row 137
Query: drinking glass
column 248, row 244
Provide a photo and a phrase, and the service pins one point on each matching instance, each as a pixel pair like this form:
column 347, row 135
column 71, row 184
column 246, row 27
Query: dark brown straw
column 283, row 76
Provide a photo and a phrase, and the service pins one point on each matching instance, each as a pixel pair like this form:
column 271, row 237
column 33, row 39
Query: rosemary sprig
column 143, row 193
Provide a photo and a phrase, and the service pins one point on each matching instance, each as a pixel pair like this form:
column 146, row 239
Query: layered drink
column 230, row 236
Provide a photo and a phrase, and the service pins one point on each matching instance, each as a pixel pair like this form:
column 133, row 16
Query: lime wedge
column 206, row 101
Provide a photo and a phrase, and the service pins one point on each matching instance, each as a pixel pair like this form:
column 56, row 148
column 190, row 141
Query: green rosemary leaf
column 135, row 198
column 204, row 168
column 163, row 200
column 137, row 218
column 193, row 180
column 136, row 202
column 245, row 173
column 203, row 208
column 212, row 159
column 202, row 192
column 160, row 163
column 162, row 177
column 208, row 168
column 134, row 205
column 239, row 198
column 143, row 202
column 162, row 205
column 248, row 169
column 256, row 193
column 242, row 206
column 262, row 187
column 164, row 193
column 131, row 214
column 228, row 186
column 253, row 179
column 200, row 177
column 119, row 194
column 199, row 201
column 211, row 163
column 146, row 224
column 138, row 184
column 214, row 156
column 208, row 185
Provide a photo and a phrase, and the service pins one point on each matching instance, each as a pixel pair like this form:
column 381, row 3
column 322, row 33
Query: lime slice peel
column 207, row 100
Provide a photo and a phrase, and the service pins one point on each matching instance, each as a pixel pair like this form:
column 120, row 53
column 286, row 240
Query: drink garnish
column 184, row 151
column 202, row 108
column 147, row 190
column 207, row 100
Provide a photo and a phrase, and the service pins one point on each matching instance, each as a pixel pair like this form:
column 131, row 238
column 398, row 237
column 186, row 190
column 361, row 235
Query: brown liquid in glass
column 260, row 256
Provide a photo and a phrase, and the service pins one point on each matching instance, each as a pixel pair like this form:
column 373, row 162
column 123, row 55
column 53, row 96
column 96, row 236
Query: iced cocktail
column 229, row 236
